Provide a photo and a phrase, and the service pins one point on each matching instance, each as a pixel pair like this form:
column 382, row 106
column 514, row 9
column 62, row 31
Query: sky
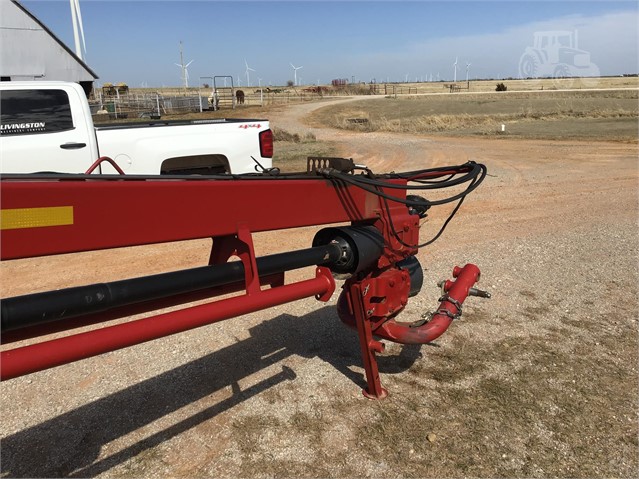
column 138, row 42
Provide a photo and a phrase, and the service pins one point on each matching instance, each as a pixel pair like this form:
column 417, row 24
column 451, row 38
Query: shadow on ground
column 70, row 444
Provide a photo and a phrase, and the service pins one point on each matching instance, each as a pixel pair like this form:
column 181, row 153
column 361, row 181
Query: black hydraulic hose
column 434, row 181
column 475, row 181
column 468, row 176
column 407, row 175
column 33, row 309
column 443, row 227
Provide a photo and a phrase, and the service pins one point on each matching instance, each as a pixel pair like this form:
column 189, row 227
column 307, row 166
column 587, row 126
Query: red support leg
column 368, row 345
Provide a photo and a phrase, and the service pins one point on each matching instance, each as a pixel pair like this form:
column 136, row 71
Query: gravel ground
column 539, row 381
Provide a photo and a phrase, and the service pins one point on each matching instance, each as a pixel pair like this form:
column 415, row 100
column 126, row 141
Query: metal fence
column 155, row 105
column 147, row 105
column 138, row 103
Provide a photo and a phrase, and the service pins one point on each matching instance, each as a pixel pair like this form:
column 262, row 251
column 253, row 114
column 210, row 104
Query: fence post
column 157, row 103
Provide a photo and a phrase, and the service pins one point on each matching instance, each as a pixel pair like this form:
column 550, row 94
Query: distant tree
column 501, row 87
column 290, row 83
column 205, row 85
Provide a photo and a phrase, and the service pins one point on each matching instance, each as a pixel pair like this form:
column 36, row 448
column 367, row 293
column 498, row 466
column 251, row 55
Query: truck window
column 34, row 111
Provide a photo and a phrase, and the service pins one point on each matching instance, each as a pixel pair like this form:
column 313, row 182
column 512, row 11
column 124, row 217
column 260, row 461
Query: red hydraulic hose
column 104, row 159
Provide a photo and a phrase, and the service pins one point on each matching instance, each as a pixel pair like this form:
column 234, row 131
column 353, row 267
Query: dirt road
column 539, row 381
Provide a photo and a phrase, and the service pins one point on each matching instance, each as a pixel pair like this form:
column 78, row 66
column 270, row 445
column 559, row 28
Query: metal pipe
column 33, row 309
column 28, row 359
column 466, row 278
column 406, row 333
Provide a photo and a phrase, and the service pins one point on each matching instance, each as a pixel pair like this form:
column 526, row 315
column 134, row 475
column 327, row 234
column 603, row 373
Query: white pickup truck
column 47, row 127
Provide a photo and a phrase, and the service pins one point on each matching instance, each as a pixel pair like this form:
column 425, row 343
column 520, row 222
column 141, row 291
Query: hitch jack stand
column 368, row 345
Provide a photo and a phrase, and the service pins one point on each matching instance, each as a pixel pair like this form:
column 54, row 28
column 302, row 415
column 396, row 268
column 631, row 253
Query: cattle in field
column 239, row 96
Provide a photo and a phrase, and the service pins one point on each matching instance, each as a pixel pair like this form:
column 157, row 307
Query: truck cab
column 47, row 127
column 55, row 117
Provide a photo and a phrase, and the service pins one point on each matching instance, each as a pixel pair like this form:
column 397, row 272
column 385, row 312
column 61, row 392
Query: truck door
column 39, row 133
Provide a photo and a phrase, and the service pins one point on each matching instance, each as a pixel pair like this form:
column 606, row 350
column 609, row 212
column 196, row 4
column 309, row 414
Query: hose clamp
column 455, row 303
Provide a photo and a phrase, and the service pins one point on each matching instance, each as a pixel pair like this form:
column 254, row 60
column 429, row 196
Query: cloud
column 611, row 39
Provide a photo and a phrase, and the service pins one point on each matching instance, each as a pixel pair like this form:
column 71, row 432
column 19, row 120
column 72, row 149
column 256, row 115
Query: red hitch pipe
column 449, row 309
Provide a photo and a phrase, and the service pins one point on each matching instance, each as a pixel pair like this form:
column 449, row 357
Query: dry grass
column 284, row 135
column 292, row 149
column 484, row 114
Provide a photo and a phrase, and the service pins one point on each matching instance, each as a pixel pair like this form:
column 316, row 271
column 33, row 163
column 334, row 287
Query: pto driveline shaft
column 33, row 309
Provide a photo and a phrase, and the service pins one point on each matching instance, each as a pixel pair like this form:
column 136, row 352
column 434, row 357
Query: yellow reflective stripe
column 18, row 218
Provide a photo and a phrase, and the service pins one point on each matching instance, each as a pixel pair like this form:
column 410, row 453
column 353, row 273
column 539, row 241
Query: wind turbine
column 467, row 67
column 248, row 68
column 186, row 74
column 295, row 73
column 185, row 71
column 455, row 65
column 76, row 18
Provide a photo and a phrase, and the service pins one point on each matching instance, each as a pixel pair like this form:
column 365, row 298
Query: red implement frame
column 53, row 216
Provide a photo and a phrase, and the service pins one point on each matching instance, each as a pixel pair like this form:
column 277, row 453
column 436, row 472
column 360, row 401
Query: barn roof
column 23, row 50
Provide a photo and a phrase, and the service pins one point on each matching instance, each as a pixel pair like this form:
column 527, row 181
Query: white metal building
column 30, row 51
